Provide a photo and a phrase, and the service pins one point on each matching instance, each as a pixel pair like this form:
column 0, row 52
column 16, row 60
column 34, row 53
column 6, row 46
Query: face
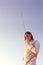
column 27, row 36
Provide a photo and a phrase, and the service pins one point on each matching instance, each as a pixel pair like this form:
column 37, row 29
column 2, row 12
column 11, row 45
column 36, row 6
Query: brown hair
column 30, row 34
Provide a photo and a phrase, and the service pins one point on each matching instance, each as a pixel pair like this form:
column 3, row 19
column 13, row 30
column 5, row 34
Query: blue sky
column 12, row 29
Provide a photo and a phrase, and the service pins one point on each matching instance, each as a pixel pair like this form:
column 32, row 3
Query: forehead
column 27, row 34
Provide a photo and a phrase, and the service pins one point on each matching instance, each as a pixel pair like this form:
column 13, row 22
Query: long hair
column 30, row 34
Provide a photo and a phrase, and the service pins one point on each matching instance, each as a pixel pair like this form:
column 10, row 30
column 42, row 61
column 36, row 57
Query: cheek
column 29, row 37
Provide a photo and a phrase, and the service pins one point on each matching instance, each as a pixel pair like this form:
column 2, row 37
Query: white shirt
column 29, row 57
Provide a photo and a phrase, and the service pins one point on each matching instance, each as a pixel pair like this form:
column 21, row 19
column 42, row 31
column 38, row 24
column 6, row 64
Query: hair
column 30, row 34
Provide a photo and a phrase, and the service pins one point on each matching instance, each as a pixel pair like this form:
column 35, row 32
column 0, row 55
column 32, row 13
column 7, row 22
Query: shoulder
column 37, row 43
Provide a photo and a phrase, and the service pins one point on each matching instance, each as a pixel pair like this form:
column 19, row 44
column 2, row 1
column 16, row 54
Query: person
column 31, row 49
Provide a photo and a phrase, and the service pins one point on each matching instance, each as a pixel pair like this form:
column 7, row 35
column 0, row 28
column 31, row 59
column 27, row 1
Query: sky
column 12, row 15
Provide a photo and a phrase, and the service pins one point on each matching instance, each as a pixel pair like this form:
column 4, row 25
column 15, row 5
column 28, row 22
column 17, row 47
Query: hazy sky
column 12, row 29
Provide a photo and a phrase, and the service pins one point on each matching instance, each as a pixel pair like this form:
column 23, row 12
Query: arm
column 34, row 49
